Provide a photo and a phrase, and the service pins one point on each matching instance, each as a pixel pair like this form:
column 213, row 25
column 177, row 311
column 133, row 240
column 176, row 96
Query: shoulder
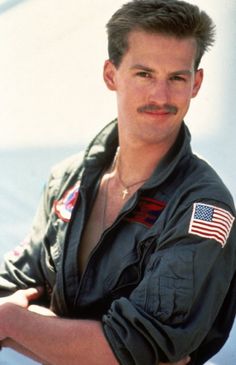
column 67, row 166
column 65, row 174
column 202, row 182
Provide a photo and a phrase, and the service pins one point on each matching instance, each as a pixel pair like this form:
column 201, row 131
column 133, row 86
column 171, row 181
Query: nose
column 159, row 92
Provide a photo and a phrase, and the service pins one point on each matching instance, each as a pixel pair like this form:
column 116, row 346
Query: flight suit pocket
column 121, row 281
column 127, row 275
column 166, row 291
column 174, row 293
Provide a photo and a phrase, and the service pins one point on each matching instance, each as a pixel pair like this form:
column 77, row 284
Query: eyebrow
column 141, row 67
column 148, row 69
column 182, row 72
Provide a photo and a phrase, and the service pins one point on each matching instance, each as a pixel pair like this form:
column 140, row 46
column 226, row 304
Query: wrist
column 9, row 315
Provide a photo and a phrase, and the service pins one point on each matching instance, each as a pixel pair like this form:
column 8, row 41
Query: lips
column 157, row 112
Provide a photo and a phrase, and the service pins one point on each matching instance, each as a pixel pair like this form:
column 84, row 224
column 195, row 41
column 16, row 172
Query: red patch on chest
column 146, row 212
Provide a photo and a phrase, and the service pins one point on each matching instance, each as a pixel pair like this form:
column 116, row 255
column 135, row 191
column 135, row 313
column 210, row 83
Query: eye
column 144, row 74
column 178, row 78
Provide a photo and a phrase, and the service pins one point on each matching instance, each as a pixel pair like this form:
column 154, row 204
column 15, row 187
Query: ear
column 109, row 72
column 197, row 82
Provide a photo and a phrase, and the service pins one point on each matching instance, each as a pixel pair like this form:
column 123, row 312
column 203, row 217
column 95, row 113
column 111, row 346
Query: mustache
column 167, row 108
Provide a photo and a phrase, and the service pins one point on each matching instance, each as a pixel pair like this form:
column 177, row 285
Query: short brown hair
column 170, row 17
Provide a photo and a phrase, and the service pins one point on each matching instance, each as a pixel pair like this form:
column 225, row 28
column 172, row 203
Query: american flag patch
column 211, row 222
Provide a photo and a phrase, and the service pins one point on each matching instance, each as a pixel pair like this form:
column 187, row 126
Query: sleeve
column 35, row 261
column 22, row 266
column 185, row 282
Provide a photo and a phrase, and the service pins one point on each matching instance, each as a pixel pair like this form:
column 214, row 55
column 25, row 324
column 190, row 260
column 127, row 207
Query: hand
column 22, row 297
column 183, row 361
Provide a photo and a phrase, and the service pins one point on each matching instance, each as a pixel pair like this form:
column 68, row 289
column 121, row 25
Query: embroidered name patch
column 146, row 212
column 64, row 207
column 211, row 222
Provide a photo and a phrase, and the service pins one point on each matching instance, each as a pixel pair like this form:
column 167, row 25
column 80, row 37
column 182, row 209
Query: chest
column 107, row 249
column 105, row 210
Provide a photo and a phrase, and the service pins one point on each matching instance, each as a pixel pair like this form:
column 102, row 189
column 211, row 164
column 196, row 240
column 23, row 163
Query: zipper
column 95, row 250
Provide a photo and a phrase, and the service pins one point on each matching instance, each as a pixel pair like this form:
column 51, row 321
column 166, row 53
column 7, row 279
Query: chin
column 160, row 135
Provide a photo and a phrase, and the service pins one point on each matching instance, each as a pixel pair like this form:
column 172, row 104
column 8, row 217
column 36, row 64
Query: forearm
column 58, row 341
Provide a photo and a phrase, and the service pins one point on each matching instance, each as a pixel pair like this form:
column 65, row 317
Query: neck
column 137, row 164
column 138, row 157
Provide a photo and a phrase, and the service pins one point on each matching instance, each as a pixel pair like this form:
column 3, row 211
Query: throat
column 126, row 189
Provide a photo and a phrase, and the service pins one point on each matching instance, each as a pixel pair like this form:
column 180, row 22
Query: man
column 132, row 253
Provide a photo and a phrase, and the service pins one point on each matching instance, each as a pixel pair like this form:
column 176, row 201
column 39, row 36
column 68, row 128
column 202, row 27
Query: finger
column 184, row 361
column 32, row 293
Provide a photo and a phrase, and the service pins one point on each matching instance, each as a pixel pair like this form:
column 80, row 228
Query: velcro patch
column 64, row 207
column 212, row 222
column 146, row 212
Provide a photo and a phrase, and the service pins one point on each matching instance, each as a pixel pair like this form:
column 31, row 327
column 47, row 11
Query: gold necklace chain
column 125, row 188
column 106, row 189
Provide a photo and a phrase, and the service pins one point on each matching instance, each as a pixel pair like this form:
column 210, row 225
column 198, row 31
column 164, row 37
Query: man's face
column 154, row 84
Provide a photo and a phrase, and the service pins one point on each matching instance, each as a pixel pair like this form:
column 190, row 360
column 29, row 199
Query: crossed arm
column 38, row 333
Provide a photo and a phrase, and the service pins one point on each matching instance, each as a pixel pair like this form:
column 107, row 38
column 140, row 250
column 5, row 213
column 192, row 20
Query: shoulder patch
column 212, row 222
column 64, row 207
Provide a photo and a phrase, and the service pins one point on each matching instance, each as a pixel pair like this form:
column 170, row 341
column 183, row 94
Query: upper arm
column 21, row 267
column 173, row 308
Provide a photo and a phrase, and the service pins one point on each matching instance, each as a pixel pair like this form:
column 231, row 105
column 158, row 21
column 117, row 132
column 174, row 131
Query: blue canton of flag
column 203, row 212
column 211, row 222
